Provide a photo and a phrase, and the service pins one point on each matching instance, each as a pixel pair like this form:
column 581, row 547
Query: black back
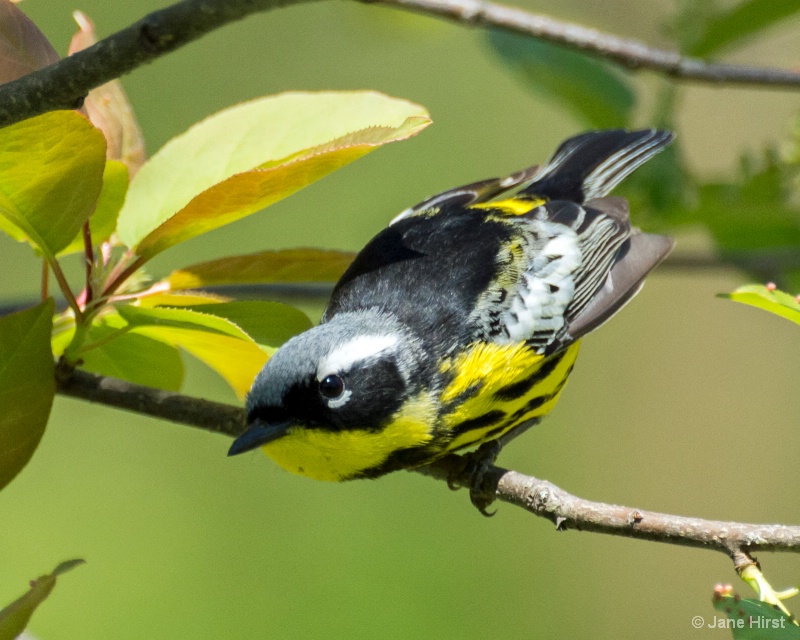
column 426, row 270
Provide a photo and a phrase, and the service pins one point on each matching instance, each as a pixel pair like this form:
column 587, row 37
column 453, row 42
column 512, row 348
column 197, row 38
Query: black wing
column 428, row 271
column 456, row 272
column 592, row 164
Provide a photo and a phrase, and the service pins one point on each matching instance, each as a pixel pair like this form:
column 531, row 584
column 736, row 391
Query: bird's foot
column 477, row 466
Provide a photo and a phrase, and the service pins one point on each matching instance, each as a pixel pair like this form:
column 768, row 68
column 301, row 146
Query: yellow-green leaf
column 237, row 361
column 767, row 298
column 213, row 339
column 51, row 173
column 27, row 385
column 252, row 155
column 180, row 299
column 104, row 219
column 288, row 265
column 179, row 318
column 15, row 617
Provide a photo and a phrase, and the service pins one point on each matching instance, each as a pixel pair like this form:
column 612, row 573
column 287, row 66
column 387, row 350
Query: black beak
column 257, row 434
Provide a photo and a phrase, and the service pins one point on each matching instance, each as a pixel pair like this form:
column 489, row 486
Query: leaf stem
column 99, row 343
column 45, row 280
column 64, row 286
column 70, row 355
column 88, row 251
column 117, row 279
column 752, row 575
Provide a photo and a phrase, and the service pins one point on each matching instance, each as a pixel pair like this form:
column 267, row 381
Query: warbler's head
column 336, row 401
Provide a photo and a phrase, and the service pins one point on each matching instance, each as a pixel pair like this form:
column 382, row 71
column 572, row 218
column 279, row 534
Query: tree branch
column 566, row 511
column 165, row 405
column 66, row 83
column 539, row 497
column 627, row 52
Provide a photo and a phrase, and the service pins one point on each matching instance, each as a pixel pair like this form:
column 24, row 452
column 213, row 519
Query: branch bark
column 165, row 405
column 65, row 84
column 539, row 497
column 627, row 52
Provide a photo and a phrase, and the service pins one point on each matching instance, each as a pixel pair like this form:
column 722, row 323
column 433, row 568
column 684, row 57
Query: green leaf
column 741, row 23
column 104, row 219
column 754, row 214
column 27, row 385
column 268, row 323
column 288, row 265
column 777, row 302
column 252, row 155
column 51, row 173
column 15, row 617
column 23, row 48
column 752, row 620
column 687, row 24
column 595, row 91
column 133, row 357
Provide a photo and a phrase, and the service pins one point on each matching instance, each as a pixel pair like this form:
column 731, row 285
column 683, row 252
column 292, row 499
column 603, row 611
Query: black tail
column 592, row 164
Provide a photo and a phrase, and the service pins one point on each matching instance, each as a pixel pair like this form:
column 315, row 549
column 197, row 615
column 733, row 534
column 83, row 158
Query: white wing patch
column 549, row 286
column 405, row 213
column 344, row 356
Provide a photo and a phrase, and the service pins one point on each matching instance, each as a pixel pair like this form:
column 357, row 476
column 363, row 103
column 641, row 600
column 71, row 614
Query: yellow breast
column 340, row 455
column 498, row 387
column 492, row 389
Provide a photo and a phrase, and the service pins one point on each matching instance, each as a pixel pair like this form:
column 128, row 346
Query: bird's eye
column 331, row 387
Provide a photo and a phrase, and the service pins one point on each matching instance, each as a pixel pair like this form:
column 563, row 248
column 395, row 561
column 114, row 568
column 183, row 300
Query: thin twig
column 539, row 497
column 66, row 83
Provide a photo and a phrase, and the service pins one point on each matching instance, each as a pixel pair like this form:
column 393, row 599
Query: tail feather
column 592, row 164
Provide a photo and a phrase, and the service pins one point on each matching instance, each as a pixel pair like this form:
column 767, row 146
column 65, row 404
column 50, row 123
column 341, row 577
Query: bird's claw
column 478, row 465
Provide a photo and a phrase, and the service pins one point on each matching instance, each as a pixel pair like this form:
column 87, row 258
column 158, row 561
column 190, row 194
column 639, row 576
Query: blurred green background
column 684, row 403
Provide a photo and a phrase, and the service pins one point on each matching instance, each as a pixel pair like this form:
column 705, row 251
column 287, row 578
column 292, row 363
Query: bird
column 457, row 325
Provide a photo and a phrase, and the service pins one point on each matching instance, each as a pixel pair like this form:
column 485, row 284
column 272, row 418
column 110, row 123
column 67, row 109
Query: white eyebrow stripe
column 343, row 357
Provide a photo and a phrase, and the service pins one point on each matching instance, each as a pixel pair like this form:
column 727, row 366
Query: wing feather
column 567, row 252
